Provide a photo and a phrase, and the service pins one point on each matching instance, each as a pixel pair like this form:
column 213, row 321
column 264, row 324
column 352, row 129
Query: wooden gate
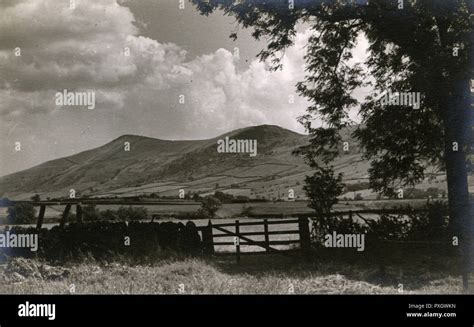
column 243, row 238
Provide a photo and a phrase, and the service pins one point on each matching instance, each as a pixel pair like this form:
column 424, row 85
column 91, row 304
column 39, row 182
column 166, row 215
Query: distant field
column 231, row 210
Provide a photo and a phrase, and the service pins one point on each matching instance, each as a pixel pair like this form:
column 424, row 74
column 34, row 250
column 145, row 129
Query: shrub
column 388, row 227
column 209, row 206
column 322, row 189
column 90, row 213
column 428, row 226
column 431, row 225
column 358, row 197
column 21, row 213
column 102, row 240
column 327, row 225
column 131, row 213
column 434, row 192
column 414, row 193
column 108, row 215
column 223, row 197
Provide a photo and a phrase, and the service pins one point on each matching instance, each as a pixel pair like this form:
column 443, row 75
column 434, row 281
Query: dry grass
column 255, row 275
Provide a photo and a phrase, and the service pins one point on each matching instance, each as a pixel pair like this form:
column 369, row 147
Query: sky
column 156, row 70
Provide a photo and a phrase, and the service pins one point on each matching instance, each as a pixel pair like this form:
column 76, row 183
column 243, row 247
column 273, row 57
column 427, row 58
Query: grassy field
column 267, row 274
column 231, row 210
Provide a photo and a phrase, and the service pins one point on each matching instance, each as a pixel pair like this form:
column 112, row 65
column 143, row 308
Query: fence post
column 65, row 214
column 208, row 239
column 237, row 241
column 79, row 213
column 305, row 240
column 39, row 223
column 267, row 237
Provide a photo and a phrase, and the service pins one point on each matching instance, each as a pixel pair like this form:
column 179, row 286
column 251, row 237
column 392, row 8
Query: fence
column 243, row 238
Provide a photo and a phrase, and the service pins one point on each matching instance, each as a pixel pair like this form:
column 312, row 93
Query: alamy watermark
column 409, row 99
column 13, row 240
column 37, row 310
column 67, row 98
column 228, row 145
column 336, row 240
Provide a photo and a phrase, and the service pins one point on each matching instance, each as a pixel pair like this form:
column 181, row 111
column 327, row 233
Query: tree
column 322, row 189
column 210, row 205
column 223, row 197
column 21, row 213
column 36, row 198
column 424, row 46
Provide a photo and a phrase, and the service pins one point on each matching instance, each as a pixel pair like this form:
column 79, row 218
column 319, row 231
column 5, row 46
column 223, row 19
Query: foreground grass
column 254, row 275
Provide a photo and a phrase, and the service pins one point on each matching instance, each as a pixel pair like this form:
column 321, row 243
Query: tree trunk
column 457, row 136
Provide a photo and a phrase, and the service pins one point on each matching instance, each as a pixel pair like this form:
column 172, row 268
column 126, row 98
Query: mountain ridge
column 164, row 166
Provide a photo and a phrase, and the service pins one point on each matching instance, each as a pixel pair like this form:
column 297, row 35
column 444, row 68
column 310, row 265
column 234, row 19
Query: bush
column 223, row 197
column 108, row 215
column 389, row 227
column 434, row 192
column 414, row 193
column 429, row 226
column 358, row 197
column 102, row 240
column 90, row 213
column 432, row 224
column 327, row 225
column 209, row 206
column 133, row 214
column 21, row 213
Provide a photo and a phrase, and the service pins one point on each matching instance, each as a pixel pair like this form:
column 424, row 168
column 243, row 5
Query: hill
column 133, row 165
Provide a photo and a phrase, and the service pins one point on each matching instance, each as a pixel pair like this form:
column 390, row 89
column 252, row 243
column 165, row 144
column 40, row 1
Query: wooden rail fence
column 244, row 238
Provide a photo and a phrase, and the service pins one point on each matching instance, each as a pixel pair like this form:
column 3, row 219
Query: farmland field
column 285, row 208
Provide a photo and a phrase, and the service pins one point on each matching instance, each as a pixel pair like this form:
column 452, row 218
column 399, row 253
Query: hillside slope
column 163, row 167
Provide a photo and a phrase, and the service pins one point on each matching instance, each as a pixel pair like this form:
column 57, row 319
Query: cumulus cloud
column 138, row 81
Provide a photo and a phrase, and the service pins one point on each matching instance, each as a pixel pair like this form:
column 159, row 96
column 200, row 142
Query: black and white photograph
column 237, row 147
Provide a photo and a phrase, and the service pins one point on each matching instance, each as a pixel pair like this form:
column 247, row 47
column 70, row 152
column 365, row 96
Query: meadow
column 269, row 274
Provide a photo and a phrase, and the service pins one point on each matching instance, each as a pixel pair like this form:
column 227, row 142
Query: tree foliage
column 209, row 206
column 21, row 213
column 411, row 49
column 323, row 188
